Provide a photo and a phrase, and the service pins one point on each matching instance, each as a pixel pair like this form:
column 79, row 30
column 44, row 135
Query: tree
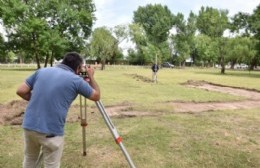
column 32, row 24
column 156, row 20
column 191, row 31
column 120, row 32
column 213, row 22
column 137, row 36
column 183, row 40
column 248, row 25
column 103, row 45
column 145, row 52
column 240, row 23
column 254, row 24
column 241, row 50
column 207, row 50
column 2, row 49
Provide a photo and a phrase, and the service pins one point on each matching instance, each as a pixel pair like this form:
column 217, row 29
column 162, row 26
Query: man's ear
column 78, row 70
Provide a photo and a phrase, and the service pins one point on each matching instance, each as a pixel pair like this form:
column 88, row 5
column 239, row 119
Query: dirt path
column 253, row 98
column 12, row 113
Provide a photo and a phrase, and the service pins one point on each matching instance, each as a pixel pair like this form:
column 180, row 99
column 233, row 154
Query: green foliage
column 254, row 22
column 42, row 31
column 103, row 45
column 138, row 36
column 46, row 28
column 156, row 20
column 255, row 27
column 183, row 40
column 2, row 49
column 146, row 51
column 240, row 23
column 241, row 50
column 121, row 32
column 212, row 22
column 207, row 50
column 247, row 24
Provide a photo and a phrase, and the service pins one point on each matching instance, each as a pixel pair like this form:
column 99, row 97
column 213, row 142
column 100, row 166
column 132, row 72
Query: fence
column 2, row 66
column 34, row 66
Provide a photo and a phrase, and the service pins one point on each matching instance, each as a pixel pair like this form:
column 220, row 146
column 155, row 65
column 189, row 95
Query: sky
column 115, row 12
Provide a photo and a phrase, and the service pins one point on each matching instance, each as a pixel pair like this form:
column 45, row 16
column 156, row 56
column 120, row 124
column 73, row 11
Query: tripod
column 109, row 124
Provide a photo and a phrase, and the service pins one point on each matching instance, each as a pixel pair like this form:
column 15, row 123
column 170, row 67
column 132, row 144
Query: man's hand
column 90, row 72
column 96, row 93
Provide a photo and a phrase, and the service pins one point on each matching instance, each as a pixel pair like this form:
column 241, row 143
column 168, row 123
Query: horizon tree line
column 41, row 31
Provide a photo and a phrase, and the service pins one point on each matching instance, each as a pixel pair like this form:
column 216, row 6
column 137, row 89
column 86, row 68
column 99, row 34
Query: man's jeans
column 51, row 146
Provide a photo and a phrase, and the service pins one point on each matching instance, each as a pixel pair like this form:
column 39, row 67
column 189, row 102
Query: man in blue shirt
column 50, row 92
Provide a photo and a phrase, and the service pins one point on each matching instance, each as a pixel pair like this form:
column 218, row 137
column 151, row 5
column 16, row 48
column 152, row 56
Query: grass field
column 219, row 139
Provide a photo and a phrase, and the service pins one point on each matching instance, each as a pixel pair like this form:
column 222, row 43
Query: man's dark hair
column 73, row 60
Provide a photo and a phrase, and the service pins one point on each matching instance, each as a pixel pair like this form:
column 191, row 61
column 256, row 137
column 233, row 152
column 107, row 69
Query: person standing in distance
column 50, row 92
column 155, row 69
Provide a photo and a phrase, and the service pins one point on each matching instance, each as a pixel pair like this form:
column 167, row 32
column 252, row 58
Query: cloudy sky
column 114, row 12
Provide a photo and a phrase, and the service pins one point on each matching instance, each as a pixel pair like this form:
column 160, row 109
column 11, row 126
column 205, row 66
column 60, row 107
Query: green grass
column 118, row 86
column 220, row 139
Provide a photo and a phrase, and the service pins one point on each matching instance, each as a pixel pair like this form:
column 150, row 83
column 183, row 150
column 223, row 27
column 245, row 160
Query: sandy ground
column 12, row 113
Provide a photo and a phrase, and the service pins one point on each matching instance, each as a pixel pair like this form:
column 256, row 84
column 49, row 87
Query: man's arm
column 24, row 91
column 95, row 96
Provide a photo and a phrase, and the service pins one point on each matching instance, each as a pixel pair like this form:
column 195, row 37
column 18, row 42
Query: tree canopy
column 156, row 20
column 43, row 28
column 103, row 45
column 42, row 31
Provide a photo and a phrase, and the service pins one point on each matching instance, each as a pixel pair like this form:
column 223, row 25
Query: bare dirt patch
column 12, row 112
column 253, row 98
column 140, row 78
column 251, row 94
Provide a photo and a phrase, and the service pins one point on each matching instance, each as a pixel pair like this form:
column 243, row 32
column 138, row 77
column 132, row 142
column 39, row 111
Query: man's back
column 54, row 89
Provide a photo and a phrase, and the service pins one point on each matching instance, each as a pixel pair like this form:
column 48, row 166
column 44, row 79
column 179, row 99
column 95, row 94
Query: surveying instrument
column 110, row 125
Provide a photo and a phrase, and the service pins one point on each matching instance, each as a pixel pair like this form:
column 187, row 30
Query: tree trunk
column 232, row 65
column 37, row 60
column 103, row 62
column 36, row 51
column 221, row 53
column 222, row 61
column 46, row 60
column 252, row 64
column 51, row 60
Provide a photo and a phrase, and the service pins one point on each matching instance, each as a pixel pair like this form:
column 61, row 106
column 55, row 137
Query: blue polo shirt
column 53, row 91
